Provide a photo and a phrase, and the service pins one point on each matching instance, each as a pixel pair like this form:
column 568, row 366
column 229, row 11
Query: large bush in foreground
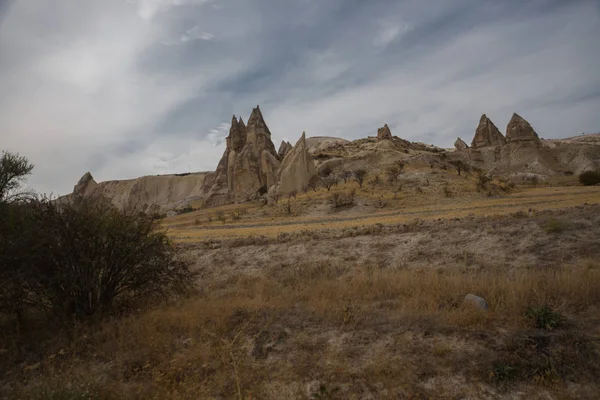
column 82, row 262
column 589, row 178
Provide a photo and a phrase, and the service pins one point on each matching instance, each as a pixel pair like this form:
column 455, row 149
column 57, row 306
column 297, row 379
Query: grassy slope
column 367, row 314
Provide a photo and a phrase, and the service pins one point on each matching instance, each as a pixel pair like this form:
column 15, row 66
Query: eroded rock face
column 284, row 148
column 460, row 145
column 384, row 133
column 487, row 134
column 296, row 171
column 85, row 186
column 248, row 164
column 519, row 130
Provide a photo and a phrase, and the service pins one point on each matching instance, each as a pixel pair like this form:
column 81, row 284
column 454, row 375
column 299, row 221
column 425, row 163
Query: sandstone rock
column 85, row 186
column 297, row 169
column 284, row 148
column 248, row 164
column 476, row 301
column 519, row 130
column 487, row 134
column 460, row 145
column 384, row 133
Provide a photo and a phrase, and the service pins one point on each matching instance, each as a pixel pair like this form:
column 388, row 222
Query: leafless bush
column 346, row 175
column 236, row 215
column 359, row 175
column 221, row 216
column 381, row 203
column 329, row 181
column 375, row 181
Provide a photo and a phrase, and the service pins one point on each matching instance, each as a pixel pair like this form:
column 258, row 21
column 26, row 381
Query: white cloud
column 149, row 9
column 196, row 33
column 389, row 32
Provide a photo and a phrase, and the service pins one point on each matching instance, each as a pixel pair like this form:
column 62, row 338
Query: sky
column 126, row 88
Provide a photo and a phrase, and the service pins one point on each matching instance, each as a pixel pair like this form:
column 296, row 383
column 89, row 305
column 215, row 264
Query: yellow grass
column 411, row 206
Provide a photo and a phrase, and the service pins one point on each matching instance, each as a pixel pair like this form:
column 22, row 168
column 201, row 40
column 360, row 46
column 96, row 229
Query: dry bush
column 329, row 181
column 342, row 199
column 447, row 191
column 360, row 175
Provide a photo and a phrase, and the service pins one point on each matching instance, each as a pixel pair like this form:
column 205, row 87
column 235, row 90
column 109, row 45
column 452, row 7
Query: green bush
column 544, row 317
column 84, row 262
column 589, row 178
column 554, row 225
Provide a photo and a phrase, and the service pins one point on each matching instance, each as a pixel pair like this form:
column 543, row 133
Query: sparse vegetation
column 544, row 317
column 555, row 225
column 329, row 181
column 359, row 175
column 589, row 178
column 460, row 166
column 342, row 199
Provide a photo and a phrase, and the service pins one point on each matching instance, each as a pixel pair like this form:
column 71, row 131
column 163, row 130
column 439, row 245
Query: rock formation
column 296, row 171
column 85, row 186
column 284, row 148
column 460, row 145
column 487, row 134
column 519, row 130
column 384, row 133
column 248, row 165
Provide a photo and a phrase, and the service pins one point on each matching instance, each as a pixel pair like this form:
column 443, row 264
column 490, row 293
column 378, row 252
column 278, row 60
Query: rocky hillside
column 252, row 169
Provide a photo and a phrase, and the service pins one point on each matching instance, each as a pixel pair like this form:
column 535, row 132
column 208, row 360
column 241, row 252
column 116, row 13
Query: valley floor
column 367, row 306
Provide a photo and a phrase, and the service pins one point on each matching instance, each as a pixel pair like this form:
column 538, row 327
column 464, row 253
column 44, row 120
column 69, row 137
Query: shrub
column 339, row 199
column 460, row 166
column 544, row 317
column 554, row 225
column 447, row 191
column 328, row 181
column 359, row 175
column 87, row 261
column 589, row 178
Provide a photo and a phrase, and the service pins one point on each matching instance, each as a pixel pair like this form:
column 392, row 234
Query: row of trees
column 77, row 262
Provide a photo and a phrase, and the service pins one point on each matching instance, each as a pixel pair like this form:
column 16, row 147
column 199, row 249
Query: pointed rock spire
column 85, row 185
column 519, row 130
column 384, row 133
column 237, row 135
column 487, row 134
column 284, row 148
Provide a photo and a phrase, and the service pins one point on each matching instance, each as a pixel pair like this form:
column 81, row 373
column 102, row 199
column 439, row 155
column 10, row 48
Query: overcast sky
column 125, row 88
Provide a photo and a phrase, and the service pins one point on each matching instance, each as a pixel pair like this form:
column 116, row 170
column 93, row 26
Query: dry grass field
column 363, row 302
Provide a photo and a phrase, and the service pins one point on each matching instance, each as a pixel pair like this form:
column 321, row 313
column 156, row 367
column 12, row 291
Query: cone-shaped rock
column 519, row 130
column 384, row 133
column 487, row 134
column 237, row 135
column 258, row 132
column 284, row 148
column 85, row 186
column 296, row 171
column 460, row 145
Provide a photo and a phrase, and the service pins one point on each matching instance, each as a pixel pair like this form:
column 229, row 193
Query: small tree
column 314, row 183
column 346, row 175
column 460, row 166
column 589, row 178
column 359, row 175
column 392, row 174
column 305, row 188
column 329, row 181
column 13, row 171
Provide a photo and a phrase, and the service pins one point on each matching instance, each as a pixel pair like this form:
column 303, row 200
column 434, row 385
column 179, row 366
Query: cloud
column 150, row 9
column 130, row 89
column 390, row 32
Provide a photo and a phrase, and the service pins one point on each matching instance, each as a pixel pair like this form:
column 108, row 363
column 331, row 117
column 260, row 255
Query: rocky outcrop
column 460, row 145
column 384, row 133
column 284, row 148
column 297, row 170
column 85, row 186
column 248, row 165
column 487, row 134
column 519, row 130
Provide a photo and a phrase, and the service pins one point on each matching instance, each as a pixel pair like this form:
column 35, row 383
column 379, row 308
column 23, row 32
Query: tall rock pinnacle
column 519, row 130
column 487, row 134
